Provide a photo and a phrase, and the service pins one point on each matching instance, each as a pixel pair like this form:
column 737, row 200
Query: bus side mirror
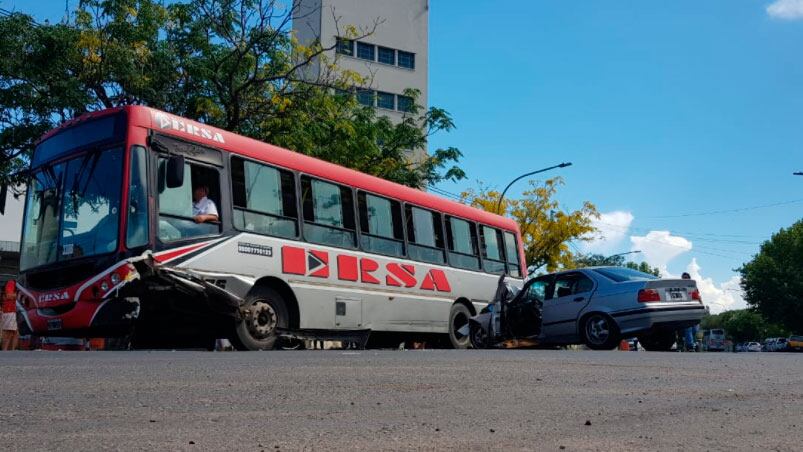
column 175, row 171
column 3, row 196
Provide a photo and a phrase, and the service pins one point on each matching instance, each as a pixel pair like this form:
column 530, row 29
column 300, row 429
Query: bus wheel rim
column 263, row 320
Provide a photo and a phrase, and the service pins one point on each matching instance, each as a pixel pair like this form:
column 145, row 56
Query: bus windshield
column 72, row 208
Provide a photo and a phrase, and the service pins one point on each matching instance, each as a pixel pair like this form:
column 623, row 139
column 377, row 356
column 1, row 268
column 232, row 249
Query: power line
column 716, row 212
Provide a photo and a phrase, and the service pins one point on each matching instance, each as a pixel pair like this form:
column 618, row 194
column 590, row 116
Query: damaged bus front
column 86, row 264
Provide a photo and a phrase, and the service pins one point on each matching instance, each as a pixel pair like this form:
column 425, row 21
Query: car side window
column 540, row 289
column 563, row 285
column 571, row 284
column 583, row 284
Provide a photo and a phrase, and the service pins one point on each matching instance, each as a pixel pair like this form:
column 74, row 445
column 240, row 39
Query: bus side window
column 425, row 235
column 512, row 255
column 328, row 213
column 380, row 225
column 461, row 237
column 175, row 204
column 491, row 245
column 264, row 199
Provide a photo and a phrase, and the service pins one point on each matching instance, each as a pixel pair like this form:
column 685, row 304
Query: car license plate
column 676, row 295
column 54, row 324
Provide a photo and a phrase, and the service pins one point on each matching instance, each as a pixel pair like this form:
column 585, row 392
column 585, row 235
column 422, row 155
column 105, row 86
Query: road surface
column 338, row 400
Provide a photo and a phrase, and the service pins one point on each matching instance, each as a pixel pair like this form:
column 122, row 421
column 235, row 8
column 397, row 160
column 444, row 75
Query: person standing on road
column 9, row 319
column 688, row 333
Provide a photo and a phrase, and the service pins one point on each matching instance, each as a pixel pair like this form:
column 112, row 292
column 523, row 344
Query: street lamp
column 502, row 196
column 620, row 254
column 799, row 173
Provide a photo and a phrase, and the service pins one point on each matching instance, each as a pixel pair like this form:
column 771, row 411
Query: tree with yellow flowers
column 546, row 229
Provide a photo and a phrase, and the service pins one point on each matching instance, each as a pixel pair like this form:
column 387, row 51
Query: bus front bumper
column 111, row 317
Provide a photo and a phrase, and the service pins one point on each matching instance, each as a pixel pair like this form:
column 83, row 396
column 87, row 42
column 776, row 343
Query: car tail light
column 648, row 295
column 695, row 295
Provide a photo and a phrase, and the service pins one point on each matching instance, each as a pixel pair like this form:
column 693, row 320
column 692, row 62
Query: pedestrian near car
column 9, row 319
column 688, row 333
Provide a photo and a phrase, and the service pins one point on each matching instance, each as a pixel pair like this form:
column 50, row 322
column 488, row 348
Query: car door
column 569, row 294
column 526, row 310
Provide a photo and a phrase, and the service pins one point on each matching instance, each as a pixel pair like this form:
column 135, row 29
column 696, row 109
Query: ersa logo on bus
column 315, row 263
column 165, row 121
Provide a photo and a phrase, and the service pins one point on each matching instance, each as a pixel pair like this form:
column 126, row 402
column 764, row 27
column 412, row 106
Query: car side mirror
column 175, row 171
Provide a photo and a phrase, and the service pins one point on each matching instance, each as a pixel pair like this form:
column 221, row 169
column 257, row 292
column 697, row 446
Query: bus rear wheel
column 458, row 318
column 263, row 311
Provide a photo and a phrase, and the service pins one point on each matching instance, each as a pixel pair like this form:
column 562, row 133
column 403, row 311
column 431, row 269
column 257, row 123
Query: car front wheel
column 600, row 332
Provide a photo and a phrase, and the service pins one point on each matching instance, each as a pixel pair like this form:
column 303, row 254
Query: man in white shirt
column 203, row 208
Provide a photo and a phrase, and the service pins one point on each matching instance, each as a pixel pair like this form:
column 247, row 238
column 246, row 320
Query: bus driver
column 203, row 208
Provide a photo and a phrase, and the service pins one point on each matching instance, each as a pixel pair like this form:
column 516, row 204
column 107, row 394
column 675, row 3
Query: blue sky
column 664, row 109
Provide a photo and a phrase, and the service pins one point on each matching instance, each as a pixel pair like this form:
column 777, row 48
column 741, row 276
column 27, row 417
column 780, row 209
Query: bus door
column 177, row 217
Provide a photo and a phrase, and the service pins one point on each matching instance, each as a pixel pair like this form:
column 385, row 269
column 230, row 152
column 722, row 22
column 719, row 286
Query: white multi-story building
column 392, row 59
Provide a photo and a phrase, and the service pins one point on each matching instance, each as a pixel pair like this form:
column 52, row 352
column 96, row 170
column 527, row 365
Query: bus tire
column 458, row 317
column 263, row 310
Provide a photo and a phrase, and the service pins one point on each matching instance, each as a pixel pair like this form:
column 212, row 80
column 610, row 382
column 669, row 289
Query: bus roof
column 238, row 144
column 170, row 124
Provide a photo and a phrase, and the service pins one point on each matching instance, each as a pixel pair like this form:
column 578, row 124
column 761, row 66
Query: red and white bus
column 302, row 246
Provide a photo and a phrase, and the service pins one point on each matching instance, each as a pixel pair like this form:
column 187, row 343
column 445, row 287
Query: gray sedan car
column 599, row 306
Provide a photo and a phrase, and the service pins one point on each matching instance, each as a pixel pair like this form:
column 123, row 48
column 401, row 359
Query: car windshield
column 622, row 274
column 72, row 209
column 796, row 338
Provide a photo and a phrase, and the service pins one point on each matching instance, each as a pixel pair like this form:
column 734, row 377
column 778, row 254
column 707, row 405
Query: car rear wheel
column 263, row 311
column 658, row 342
column 600, row 332
column 458, row 318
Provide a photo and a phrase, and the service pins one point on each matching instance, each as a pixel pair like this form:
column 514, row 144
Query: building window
column 405, row 103
column 345, row 47
column 406, row 59
column 365, row 51
column 385, row 100
column 387, row 56
column 365, row 97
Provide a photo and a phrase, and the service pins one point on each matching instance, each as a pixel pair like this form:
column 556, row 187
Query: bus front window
column 72, row 209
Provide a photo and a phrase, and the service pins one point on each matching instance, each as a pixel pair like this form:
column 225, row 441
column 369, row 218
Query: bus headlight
column 115, row 279
column 104, row 286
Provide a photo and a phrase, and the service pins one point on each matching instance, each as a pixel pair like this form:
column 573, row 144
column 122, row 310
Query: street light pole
column 502, row 196
column 621, row 254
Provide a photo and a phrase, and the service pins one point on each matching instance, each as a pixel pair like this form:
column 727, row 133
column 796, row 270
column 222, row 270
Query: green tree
column 773, row 280
column 644, row 268
column 229, row 63
column 546, row 229
column 597, row 260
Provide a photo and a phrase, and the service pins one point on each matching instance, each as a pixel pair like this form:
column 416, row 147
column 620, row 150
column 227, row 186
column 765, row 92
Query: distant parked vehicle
column 714, row 340
column 781, row 344
column 795, row 343
column 741, row 347
column 768, row 345
column 753, row 347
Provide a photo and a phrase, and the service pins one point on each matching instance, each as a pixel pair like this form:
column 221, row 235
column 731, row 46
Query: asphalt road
column 336, row 400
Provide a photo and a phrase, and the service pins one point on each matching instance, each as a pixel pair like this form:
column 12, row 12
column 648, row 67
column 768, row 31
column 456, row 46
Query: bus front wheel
column 263, row 311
